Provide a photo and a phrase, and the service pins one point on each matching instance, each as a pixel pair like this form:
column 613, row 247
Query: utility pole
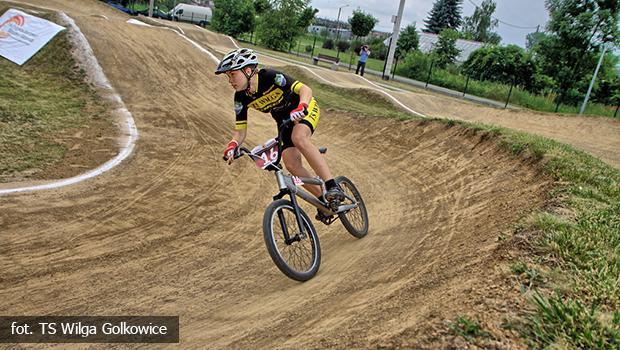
column 338, row 30
column 598, row 66
column 151, row 5
column 394, row 41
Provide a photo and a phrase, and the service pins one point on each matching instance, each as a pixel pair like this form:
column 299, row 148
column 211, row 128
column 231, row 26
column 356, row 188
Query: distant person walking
column 361, row 63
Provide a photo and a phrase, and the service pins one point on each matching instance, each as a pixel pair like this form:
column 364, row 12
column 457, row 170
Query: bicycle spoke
column 299, row 254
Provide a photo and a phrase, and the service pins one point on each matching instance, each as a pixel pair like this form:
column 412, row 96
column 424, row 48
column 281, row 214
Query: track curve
column 174, row 231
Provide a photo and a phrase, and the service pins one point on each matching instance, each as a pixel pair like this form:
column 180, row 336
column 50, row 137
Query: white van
column 191, row 13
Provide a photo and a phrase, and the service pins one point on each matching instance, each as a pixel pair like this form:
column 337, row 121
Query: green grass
column 39, row 101
column 568, row 323
column 529, row 277
column 577, row 256
column 365, row 102
column 468, row 329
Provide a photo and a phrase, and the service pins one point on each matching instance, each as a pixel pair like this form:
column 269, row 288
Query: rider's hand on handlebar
column 300, row 112
column 229, row 153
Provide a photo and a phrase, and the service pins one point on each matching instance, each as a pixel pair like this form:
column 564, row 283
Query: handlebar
column 240, row 151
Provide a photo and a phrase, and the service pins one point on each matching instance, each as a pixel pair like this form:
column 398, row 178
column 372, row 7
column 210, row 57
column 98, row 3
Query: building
column 344, row 33
column 429, row 40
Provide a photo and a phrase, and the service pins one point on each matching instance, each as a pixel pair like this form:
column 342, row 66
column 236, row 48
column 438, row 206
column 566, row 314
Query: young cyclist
column 270, row 91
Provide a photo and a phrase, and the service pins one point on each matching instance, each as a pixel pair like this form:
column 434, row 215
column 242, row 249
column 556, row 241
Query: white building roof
column 428, row 41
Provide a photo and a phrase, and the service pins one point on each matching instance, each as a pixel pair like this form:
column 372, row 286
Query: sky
column 519, row 13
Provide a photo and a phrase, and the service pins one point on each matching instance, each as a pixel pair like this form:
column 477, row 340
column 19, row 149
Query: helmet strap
column 249, row 76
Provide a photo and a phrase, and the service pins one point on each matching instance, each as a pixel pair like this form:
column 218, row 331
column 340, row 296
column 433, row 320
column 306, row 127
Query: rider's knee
column 301, row 140
column 293, row 164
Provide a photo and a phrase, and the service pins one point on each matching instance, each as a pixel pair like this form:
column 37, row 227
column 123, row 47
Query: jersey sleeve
column 241, row 114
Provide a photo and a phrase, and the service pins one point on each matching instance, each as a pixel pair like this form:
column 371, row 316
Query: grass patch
column 40, row 102
column 529, row 277
column 359, row 101
column 468, row 329
column 582, row 250
column 569, row 323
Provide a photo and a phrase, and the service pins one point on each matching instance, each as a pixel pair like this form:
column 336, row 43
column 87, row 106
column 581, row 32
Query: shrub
column 328, row 44
column 343, row 45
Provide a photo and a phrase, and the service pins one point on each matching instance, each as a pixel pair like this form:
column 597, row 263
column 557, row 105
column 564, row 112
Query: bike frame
column 289, row 185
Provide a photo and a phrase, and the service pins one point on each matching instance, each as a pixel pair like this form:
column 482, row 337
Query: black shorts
column 312, row 120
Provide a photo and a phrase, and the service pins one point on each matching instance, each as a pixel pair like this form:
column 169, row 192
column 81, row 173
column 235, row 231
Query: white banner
column 23, row 35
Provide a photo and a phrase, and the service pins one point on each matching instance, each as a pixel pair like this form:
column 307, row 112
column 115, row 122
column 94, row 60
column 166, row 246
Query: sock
column 330, row 184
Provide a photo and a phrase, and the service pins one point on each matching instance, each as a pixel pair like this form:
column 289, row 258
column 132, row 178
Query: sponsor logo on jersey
column 267, row 101
column 238, row 107
column 280, row 80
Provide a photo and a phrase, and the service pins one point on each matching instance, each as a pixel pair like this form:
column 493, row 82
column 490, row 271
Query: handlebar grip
column 238, row 153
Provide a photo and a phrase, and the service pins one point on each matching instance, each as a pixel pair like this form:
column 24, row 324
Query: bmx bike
column 290, row 236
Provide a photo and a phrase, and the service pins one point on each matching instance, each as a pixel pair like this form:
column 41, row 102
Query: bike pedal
column 327, row 220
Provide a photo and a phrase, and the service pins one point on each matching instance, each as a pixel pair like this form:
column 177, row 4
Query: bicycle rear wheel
column 354, row 220
column 300, row 257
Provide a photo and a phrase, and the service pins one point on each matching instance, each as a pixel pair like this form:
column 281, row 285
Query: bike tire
column 295, row 266
column 354, row 220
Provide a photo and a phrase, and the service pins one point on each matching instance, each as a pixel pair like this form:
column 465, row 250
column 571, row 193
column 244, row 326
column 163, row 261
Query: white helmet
column 237, row 59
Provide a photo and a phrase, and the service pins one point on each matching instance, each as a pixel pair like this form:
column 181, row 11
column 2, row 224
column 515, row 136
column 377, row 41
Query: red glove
column 300, row 112
column 229, row 153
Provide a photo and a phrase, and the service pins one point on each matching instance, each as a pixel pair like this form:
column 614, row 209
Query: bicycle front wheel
column 299, row 256
column 354, row 220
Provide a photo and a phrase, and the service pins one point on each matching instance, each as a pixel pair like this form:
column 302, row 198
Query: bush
column 415, row 65
column 308, row 48
column 343, row 45
column 328, row 44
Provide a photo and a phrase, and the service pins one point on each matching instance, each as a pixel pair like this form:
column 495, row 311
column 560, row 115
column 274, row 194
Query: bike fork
column 287, row 237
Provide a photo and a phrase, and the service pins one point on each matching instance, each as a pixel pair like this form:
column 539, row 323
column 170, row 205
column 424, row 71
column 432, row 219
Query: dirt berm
column 174, row 231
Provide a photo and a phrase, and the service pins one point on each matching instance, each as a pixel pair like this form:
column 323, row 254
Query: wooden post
column 428, row 78
column 510, row 92
column 466, row 84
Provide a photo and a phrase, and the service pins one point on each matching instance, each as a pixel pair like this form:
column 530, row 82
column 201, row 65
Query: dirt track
column 174, row 231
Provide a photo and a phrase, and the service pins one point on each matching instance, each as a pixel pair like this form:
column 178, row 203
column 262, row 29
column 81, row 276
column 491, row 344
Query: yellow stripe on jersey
column 296, row 87
column 241, row 125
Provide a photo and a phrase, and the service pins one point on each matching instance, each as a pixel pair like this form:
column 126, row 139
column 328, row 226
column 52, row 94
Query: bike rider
column 270, row 91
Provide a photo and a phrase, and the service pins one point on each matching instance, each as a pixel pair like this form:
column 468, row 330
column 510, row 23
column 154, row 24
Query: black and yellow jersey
column 277, row 93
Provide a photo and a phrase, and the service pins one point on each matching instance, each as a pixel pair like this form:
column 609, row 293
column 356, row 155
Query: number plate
column 266, row 156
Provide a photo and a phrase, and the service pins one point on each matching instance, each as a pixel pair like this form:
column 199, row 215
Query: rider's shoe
column 334, row 196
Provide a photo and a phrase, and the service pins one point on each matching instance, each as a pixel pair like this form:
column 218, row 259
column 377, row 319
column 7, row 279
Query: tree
column 407, row 40
column 533, row 39
column 444, row 14
column 233, row 17
column 362, row 23
column 306, row 18
column 446, row 50
column 504, row 64
column 576, row 30
column 288, row 19
column 261, row 6
column 479, row 25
